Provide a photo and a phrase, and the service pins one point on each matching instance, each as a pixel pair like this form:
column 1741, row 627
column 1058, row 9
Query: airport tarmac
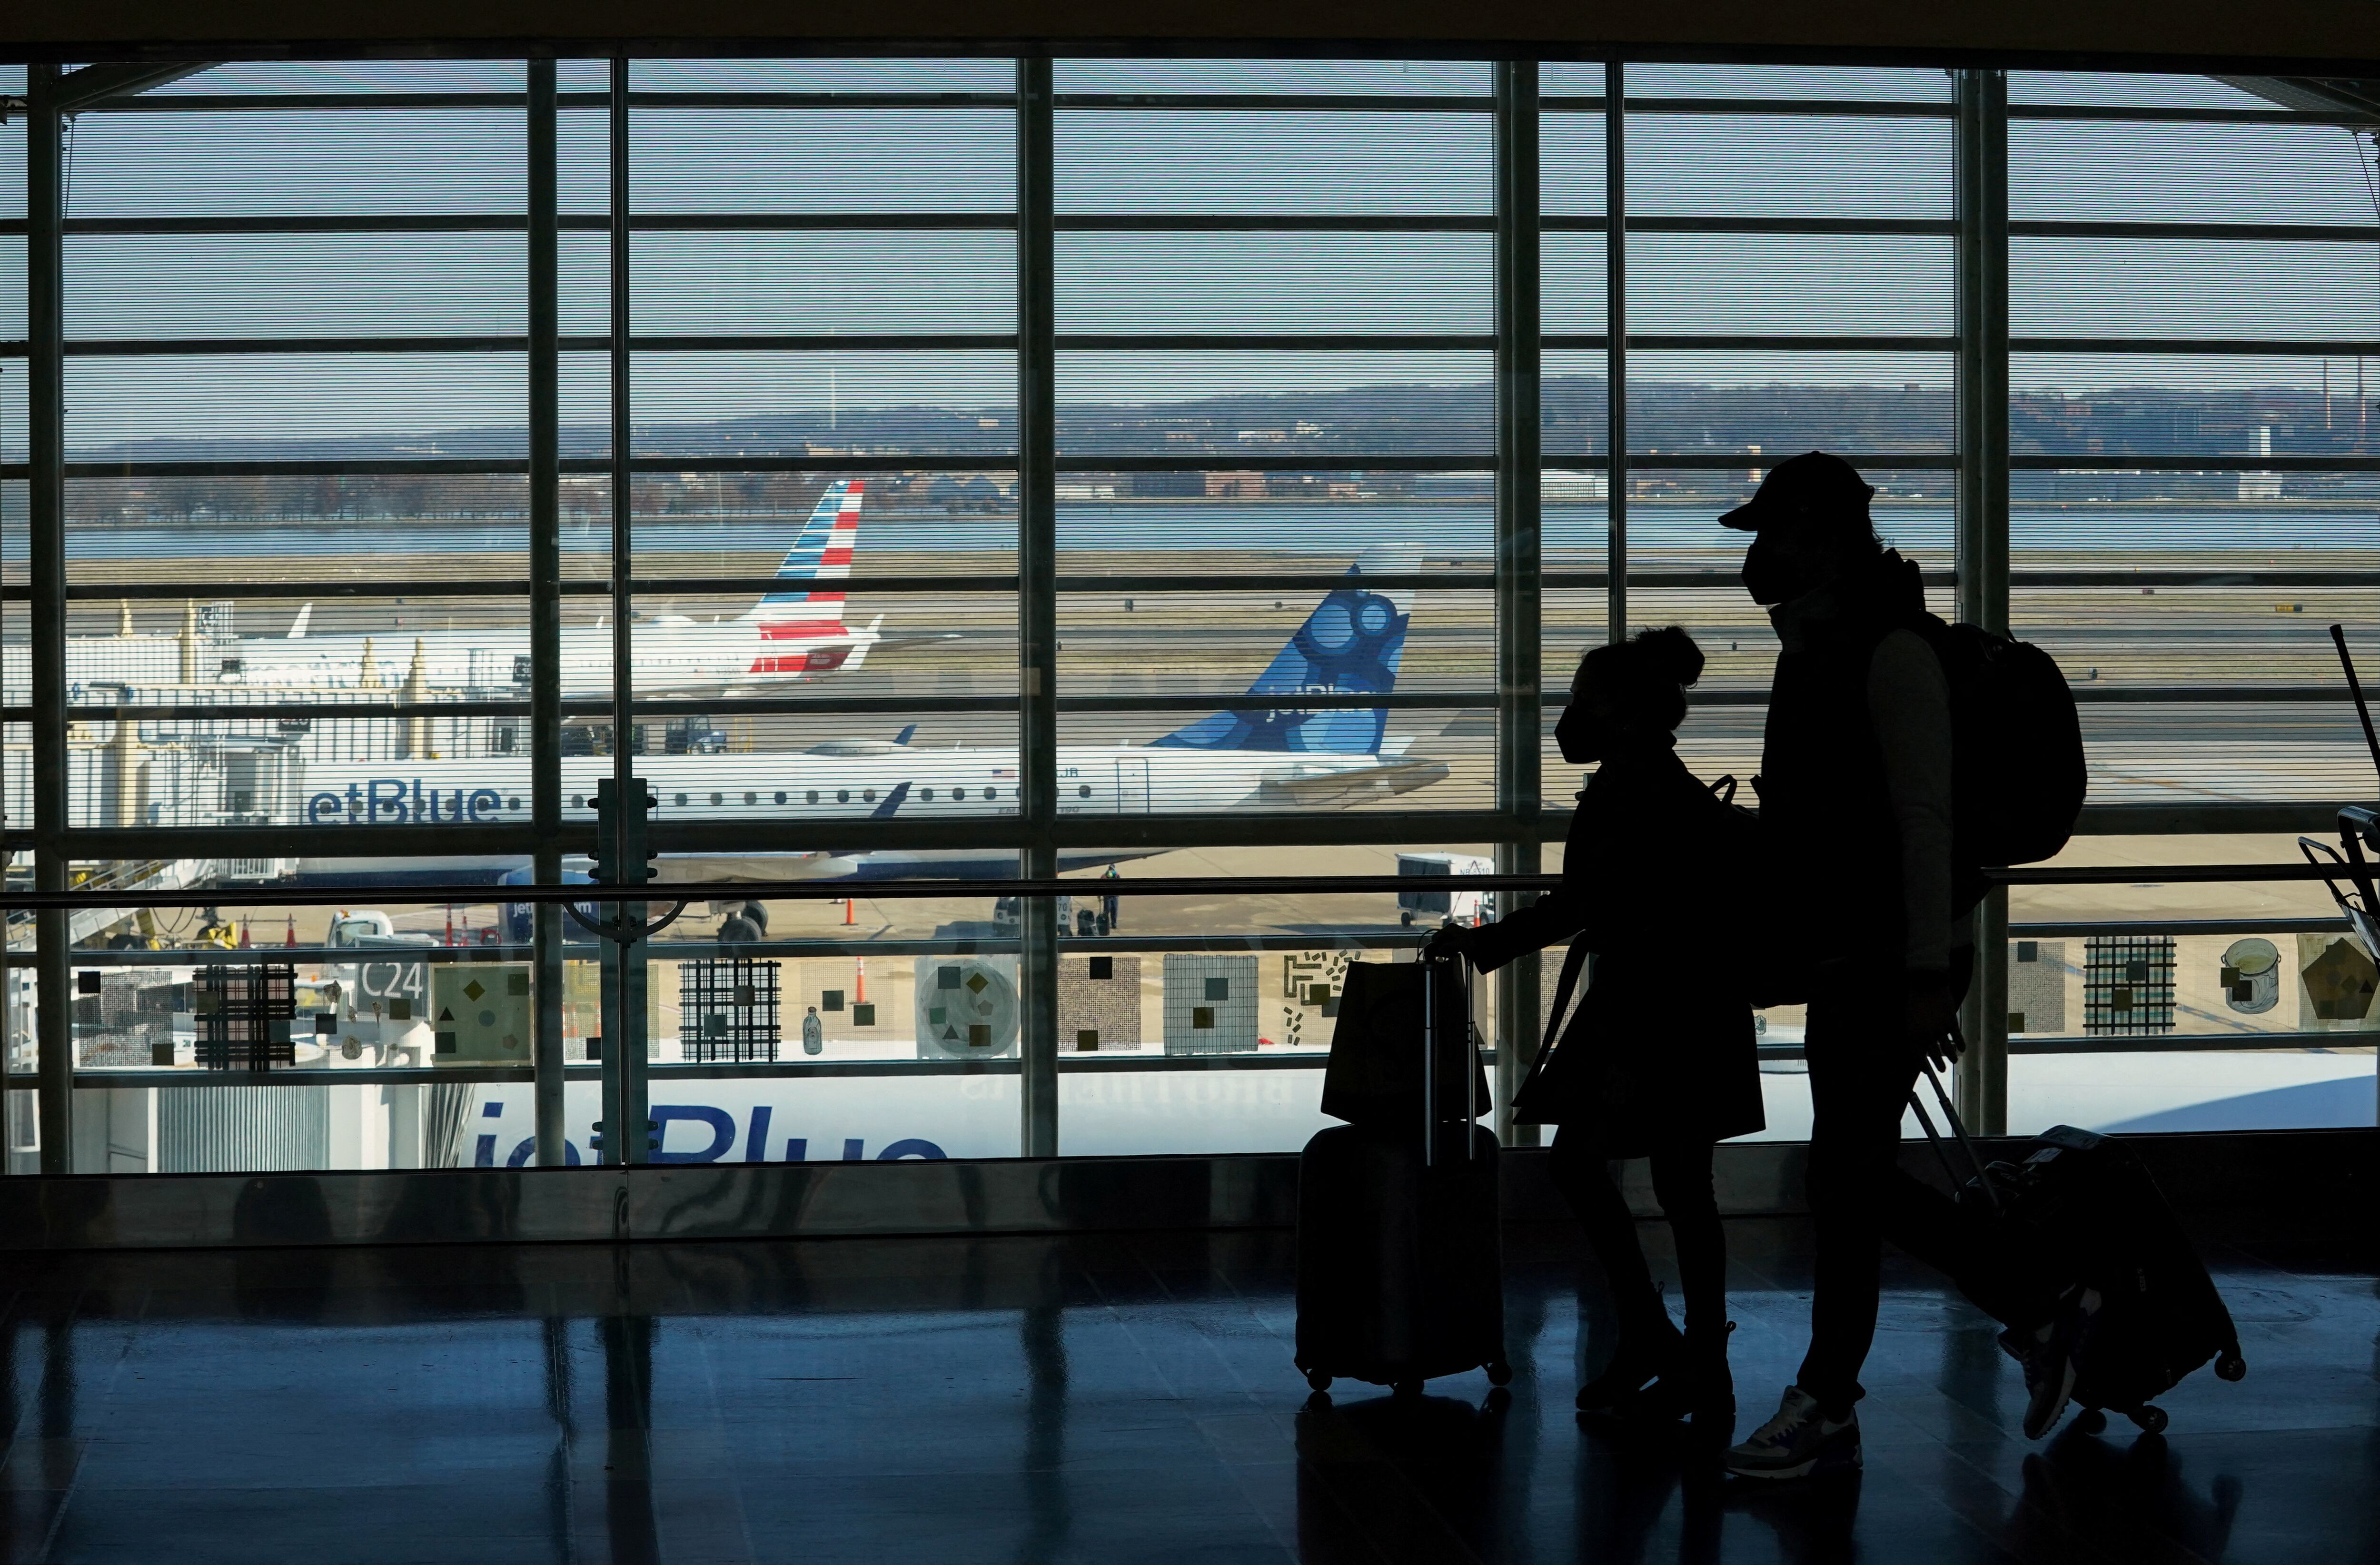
column 1128, row 643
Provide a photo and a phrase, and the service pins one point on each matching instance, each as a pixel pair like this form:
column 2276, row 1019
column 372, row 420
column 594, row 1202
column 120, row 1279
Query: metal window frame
column 1980, row 172
column 1517, row 824
column 1520, row 593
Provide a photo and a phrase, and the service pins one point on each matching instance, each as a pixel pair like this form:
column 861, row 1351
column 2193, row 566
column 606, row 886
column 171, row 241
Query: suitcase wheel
column 1499, row 1374
column 2150, row 1419
column 2231, row 1366
column 1318, row 1380
column 2091, row 1421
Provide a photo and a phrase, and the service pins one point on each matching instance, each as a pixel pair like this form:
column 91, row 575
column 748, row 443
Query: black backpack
column 2018, row 776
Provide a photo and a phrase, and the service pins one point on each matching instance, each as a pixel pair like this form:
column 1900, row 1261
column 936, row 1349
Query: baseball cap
column 1810, row 484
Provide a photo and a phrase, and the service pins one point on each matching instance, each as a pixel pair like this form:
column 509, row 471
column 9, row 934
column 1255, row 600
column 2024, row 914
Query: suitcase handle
column 1959, row 1128
column 1428, row 1062
column 1429, row 970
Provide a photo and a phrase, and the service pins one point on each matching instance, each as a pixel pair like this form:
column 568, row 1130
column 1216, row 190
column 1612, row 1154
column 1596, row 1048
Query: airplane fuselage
column 830, row 789
column 1098, row 780
column 670, row 654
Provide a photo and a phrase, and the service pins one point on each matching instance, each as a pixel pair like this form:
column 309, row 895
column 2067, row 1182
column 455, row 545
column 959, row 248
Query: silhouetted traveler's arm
column 1554, row 917
column 1909, row 703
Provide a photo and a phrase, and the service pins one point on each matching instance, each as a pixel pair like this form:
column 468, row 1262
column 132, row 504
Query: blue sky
column 1286, row 163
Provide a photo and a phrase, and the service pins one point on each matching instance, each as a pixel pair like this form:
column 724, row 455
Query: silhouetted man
column 1855, row 790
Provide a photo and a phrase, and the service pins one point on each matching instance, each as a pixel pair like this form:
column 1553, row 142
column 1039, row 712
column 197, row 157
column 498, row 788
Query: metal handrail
column 924, row 889
column 1351, row 937
column 1144, row 1060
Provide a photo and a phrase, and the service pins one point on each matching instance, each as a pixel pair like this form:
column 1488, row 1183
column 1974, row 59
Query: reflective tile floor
column 1126, row 1400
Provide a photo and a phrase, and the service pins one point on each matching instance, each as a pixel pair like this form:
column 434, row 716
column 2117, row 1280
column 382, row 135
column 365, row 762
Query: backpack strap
column 1573, row 964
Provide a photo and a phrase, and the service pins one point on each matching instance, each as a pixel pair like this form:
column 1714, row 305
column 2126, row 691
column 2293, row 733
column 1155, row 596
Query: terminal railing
column 626, row 1077
column 1005, row 943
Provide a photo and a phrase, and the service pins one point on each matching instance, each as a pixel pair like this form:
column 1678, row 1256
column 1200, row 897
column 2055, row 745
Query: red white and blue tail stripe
column 811, row 608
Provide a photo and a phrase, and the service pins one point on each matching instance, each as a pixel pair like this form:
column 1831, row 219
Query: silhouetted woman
column 1657, row 1061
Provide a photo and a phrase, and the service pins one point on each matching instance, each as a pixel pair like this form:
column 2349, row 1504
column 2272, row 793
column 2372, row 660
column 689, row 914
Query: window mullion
column 1037, row 557
column 545, row 603
column 1981, row 173
column 1519, row 611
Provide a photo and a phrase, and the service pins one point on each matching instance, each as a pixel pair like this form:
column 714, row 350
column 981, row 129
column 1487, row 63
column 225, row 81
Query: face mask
column 1768, row 575
column 1575, row 733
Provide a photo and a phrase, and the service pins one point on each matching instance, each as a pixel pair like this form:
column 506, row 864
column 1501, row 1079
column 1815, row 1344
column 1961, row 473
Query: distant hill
column 1450, row 420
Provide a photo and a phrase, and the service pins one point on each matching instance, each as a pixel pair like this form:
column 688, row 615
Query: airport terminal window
column 2187, row 297
column 824, row 304
column 301, row 506
column 1274, row 301
column 1801, row 298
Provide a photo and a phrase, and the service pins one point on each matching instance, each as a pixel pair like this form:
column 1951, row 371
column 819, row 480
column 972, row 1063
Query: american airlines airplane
column 793, row 634
column 1271, row 757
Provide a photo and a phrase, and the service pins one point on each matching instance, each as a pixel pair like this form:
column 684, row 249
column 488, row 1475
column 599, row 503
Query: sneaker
column 1800, row 1442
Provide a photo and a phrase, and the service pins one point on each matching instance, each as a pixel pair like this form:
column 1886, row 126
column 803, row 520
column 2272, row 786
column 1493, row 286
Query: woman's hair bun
column 1671, row 652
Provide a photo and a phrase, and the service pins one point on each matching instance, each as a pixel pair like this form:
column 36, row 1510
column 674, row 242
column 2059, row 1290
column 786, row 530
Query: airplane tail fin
column 809, row 606
column 810, row 600
column 1350, row 644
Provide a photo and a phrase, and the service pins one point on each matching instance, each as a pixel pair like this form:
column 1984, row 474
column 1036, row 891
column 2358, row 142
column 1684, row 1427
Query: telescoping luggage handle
column 1950, row 1115
column 1429, row 1074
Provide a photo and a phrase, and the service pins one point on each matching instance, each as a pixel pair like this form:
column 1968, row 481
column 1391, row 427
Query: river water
column 1456, row 528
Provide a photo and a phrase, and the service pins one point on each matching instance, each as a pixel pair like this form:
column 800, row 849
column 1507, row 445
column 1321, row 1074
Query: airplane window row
column 842, row 795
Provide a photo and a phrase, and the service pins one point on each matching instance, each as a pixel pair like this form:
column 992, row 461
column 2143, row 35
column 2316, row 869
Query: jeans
column 1682, row 1183
column 1861, row 1073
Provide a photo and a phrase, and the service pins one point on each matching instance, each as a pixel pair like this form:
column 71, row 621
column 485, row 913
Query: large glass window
column 2187, row 298
column 1246, row 338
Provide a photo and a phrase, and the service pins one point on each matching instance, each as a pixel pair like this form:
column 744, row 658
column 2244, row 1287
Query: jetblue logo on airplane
column 1350, row 645
column 400, row 801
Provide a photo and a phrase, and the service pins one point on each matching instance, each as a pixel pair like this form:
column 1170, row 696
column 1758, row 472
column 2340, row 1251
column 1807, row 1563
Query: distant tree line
column 1335, row 427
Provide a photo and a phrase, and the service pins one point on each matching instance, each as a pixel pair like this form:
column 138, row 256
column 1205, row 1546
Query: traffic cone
column 245, row 924
column 450, row 926
column 293, row 930
column 847, row 916
column 859, row 984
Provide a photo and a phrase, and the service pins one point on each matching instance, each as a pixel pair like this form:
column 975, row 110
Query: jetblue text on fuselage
column 401, row 801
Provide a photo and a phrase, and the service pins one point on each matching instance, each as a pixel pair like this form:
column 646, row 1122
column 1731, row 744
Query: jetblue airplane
column 1272, row 757
column 793, row 634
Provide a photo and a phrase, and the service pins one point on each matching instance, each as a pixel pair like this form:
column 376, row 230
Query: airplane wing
column 682, row 867
column 1337, row 790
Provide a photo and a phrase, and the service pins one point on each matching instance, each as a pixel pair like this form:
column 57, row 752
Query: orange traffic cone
column 847, row 916
column 859, row 986
column 245, row 924
column 293, row 930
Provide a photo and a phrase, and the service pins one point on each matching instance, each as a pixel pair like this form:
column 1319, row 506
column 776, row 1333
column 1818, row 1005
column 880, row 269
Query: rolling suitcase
column 2083, row 1204
column 1400, row 1244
